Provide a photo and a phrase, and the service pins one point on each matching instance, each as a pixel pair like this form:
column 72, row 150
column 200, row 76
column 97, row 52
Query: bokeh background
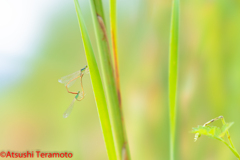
column 40, row 42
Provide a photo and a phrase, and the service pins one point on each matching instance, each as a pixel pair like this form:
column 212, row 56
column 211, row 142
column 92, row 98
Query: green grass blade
column 173, row 67
column 97, row 87
column 112, row 94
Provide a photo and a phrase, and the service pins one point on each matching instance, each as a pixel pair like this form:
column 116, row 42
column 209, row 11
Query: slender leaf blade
column 173, row 68
column 97, row 86
column 112, row 93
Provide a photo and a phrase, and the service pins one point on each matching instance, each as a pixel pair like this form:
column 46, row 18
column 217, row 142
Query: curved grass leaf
column 97, row 87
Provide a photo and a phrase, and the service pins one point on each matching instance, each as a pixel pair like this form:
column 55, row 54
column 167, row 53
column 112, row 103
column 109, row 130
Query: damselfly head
column 78, row 94
column 85, row 70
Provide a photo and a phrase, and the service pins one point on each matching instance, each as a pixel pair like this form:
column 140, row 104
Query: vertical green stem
column 228, row 135
column 111, row 91
column 97, row 87
column 113, row 24
column 233, row 149
column 173, row 67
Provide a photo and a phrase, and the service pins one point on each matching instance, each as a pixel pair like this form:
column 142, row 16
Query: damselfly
column 69, row 109
column 68, row 81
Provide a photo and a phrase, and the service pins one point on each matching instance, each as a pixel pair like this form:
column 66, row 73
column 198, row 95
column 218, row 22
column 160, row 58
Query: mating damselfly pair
column 68, row 81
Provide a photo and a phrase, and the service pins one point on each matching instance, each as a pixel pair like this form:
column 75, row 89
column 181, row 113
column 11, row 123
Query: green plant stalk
column 173, row 67
column 112, row 93
column 97, row 87
column 233, row 149
column 228, row 135
column 113, row 28
column 113, row 25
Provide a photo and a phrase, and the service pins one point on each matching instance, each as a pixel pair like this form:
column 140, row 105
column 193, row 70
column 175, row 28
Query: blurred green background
column 40, row 42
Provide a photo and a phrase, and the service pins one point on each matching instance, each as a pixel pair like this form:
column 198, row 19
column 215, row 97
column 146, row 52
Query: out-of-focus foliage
column 216, row 133
column 213, row 131
column 32, row 101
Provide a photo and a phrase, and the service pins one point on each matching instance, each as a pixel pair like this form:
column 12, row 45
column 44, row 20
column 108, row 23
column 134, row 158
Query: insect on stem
column 70, row 79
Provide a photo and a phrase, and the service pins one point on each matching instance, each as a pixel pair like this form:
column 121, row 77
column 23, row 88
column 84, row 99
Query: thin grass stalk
column 113, row 28
column 97, row 87
column 173, row 68
column 113, row 25
column 230, row 139
column 112, row 93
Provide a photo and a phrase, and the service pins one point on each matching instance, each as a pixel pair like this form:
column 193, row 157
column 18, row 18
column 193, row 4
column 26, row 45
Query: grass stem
column 112, row 93
column 173, row 67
